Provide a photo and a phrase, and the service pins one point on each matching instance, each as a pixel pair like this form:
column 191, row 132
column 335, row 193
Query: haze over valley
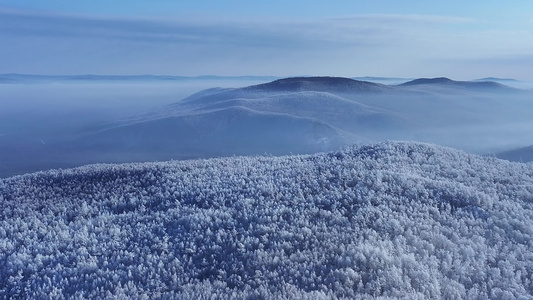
column 58, row 122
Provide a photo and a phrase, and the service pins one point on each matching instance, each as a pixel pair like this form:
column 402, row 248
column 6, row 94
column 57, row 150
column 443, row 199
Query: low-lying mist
column 69, row 123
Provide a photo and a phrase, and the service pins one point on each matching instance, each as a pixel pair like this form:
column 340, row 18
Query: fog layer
column 64, row 123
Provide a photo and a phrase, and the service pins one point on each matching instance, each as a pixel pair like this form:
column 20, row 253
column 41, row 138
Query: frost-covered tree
column 395, row 219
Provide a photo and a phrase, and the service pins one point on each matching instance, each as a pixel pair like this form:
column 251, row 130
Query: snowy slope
column 394, row 219
column 294, row 115
column 225, row 131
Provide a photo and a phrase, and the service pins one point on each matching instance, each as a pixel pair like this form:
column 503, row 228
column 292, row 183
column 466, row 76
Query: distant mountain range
column 496, row 79
column 33, row 78
column 443, row 81
column 292, row 115
column 320, row 84
column 439, row 81
column 13, row 78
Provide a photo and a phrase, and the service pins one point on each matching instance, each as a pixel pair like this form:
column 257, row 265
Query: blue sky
column 458, row 39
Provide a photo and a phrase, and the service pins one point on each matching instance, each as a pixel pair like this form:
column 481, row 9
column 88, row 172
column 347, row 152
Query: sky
column 461, row 40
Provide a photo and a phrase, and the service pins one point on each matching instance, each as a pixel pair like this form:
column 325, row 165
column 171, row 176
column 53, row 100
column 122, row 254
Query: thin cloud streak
column 354, row 45
column 279, row 34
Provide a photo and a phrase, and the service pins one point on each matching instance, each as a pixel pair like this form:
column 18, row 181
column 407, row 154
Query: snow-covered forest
column 393, row 219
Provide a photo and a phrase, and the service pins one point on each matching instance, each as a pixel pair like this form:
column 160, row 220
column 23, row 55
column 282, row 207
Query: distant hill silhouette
column 496, row 79
column 438, row 80
column 524, row 154
column 321, row 84
column 443, row 81
column 28, row 78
